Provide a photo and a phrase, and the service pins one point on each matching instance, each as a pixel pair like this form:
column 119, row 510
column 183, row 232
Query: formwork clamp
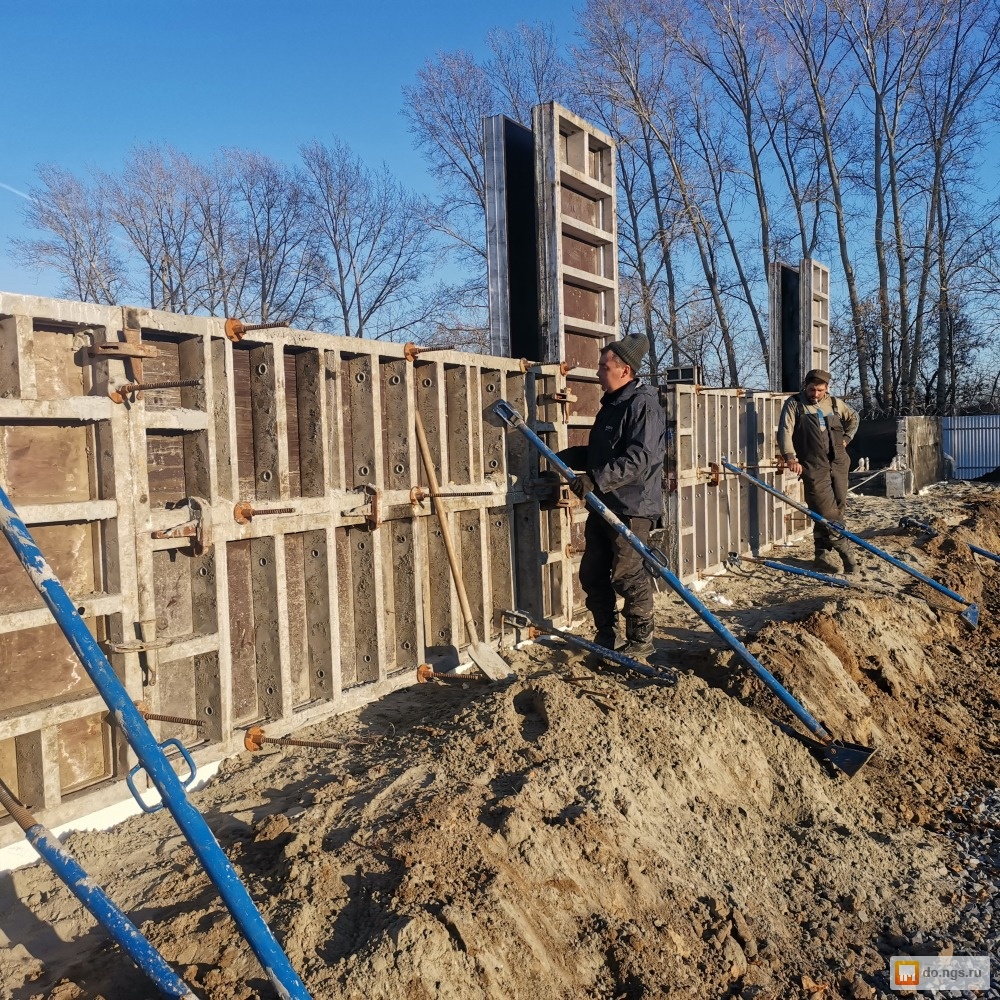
column 197, row 528
column 186, row 782
column 371, row 510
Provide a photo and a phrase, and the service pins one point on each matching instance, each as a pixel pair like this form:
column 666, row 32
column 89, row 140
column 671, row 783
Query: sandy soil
column 580, row 833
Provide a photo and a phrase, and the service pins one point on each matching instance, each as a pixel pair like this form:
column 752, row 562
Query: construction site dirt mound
column 578, row 832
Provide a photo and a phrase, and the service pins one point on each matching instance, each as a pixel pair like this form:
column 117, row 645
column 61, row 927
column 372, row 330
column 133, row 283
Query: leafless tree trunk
column 811, row 35
column 284, row 260
column 152, row 200
column 77, row 241
column 375, row 245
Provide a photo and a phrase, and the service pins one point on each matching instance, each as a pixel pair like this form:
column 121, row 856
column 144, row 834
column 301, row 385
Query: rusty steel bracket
column 131, row 349
column 236, row 329
column 198, row 527
column 561, row 396
column 714, row 473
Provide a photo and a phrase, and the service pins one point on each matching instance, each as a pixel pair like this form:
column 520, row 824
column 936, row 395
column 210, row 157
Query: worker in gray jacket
column 813, row 433
column 623, row 465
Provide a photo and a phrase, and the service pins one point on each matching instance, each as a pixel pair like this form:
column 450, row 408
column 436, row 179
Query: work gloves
column 582, row 484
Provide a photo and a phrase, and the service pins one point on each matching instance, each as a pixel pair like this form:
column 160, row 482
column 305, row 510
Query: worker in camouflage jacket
column 623, row 465
column 814, row 431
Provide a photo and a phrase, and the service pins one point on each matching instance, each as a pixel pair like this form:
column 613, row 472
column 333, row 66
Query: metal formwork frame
column 710, row 513
column 288, row 617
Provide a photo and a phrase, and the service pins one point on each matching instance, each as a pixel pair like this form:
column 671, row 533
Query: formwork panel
column 69, row 549
column 39, row 665
column 403, row 599
column 58, row 371
column 278, row 617
column 47, row 463
column 243, row 678
column 394, row 374
column 365, row 576
column 85, row 756
column 501, row 563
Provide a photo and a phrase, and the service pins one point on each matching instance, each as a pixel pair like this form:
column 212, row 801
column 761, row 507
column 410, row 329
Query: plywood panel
column 46, row 463
column 84, row 756
column 172, row 588
column 295, row 594
column 241, row 632
column 292, row 425
column 164, row 367
column 69, row 550
column 244, row 422
column 165, row 459
column 58, row 373
column 582, row 303
column 580, row 207
column 37, row 664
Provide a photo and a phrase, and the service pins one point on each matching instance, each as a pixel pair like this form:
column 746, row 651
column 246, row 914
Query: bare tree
column 375, row 245
column 154, row 203
column 77, row 241
column 284, row 259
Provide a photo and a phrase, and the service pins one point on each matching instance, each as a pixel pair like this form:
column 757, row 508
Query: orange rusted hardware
column 244, row 511
column 563, row 396
column 372, row 510
column 236, row 329
column 426, row 673
column 254, row 739
column 154, row 717
column 418, row 494
column 714, row 473
column 197, row 528
column 118, row 395
column 410, row 350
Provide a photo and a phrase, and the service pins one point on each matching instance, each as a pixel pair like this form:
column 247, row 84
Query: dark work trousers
column 611, row 568
column 825, row 482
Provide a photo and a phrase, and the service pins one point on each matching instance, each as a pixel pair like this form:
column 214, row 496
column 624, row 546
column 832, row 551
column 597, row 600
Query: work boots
column 843, row 549
column 826, row 561
column 639, row 638
column 606, row 635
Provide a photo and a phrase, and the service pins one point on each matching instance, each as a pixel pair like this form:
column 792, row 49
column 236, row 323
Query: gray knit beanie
column 631, row 349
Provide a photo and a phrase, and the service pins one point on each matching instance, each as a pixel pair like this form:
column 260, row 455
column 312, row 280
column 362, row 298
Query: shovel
column 487, row 659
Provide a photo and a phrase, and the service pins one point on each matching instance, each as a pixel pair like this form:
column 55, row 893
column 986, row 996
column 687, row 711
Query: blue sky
column 81, row 84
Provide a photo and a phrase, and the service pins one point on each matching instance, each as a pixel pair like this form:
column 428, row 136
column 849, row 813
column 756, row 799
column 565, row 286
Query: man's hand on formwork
column 582, row 485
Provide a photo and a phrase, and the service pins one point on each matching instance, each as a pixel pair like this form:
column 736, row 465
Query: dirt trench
column 580, row 834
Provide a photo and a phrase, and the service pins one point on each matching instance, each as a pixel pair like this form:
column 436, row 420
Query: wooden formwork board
column 289, row 617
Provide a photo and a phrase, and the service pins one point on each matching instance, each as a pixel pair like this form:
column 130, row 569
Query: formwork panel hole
column 397, row 468
column 314, row 553
column 427, row 383
column 361, row 546
column 321, row 674
column 203, row 571
column 209, row 710
column 262, row 369
column 494, row 464
column 404, row 645
column 269, row 689
column 262, row 561
column 360, row 377
column 366, row 658
column 394, row 380
column 81, row 610
column 265, row 476
column 491, row 387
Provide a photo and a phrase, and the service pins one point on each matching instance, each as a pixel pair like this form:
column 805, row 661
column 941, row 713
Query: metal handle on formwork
column 129, row 720
column 103, row 909
column 971, row 614
column 655, row 563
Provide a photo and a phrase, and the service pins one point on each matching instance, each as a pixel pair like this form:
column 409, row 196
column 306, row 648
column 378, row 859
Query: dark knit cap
column 631, row 349
column 817, row 375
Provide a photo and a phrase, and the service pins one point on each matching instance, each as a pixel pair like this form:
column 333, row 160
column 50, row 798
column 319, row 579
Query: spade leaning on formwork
column 813, row 433
column 623, row 464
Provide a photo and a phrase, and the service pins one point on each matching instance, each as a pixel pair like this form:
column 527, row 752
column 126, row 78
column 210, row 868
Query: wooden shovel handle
column 463, row 598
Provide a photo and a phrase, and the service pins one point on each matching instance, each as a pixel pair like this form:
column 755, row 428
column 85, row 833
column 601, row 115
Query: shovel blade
column 490, row 662
column 848, row 757
column 971, row 615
